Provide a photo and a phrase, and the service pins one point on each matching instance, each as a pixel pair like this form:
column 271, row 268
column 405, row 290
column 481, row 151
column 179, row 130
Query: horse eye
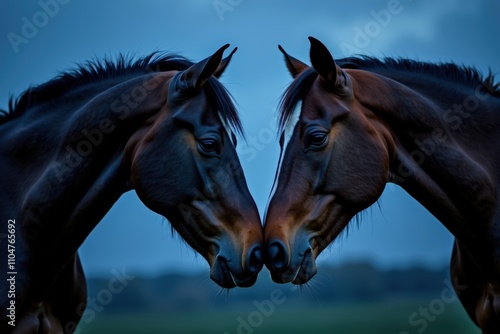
column 209, row 147
column 317, row 140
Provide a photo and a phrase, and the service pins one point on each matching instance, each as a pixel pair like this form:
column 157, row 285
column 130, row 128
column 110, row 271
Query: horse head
column 333, row 164
column 184, row 166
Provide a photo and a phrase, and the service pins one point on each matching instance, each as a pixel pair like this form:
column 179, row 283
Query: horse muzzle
column 294, row 264
column 295, row 234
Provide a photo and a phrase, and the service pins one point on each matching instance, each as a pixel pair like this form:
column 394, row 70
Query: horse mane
column 443, row 71
column 96, row 70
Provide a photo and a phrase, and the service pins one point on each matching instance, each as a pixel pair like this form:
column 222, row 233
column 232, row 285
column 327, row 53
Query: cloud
column 386, row 26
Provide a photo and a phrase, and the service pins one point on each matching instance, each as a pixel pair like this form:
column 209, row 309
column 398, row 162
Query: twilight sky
column 41, row 38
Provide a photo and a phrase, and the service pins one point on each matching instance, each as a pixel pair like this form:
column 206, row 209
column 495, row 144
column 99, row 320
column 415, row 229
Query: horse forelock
column 290, row 124
column 227, row 128
column 294, row 94
column 223, row 103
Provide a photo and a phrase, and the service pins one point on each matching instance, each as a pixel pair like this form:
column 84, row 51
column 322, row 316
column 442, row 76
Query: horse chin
column 221, row 274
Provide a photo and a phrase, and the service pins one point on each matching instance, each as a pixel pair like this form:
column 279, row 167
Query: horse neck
column 443, row 154
column 72, row 186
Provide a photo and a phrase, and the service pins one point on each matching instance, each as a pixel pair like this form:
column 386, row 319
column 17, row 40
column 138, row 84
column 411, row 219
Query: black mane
column 446, row 71
column 97, row 70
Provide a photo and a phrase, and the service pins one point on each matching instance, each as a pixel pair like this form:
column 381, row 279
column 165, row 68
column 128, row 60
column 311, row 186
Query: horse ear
column 323, row 63
column 295, row 66
column 223, row 64
column 196, row 75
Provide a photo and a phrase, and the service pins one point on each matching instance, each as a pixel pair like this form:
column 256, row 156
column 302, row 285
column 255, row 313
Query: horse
column 348, row 128
column 160, row 125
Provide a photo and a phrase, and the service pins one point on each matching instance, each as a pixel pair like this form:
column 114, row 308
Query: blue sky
column 66, row 32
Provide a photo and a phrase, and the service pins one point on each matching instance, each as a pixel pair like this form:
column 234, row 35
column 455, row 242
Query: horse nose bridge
column 278, row 221
column 241, row 206
column 250, row 234
column 284, row 203
column 249, row 224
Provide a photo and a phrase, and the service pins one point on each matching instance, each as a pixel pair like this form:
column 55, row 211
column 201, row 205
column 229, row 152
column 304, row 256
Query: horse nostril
column 278, row 255
column 254, row 261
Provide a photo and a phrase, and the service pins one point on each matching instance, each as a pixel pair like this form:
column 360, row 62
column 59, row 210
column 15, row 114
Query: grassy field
column 389, row 317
